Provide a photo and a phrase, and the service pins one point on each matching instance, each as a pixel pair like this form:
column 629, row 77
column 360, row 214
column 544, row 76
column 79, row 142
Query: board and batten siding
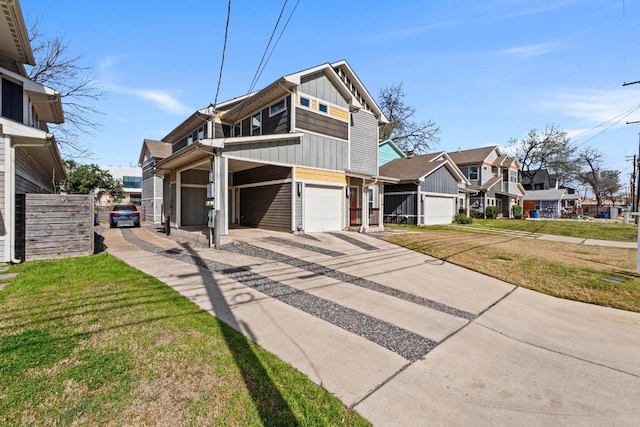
column 312, row 150
column 52, row 226
column 440, row 181
column 319, row 86
column 364, row 143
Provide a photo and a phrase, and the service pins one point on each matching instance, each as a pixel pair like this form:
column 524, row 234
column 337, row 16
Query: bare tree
column 603, row 183
column 549, row 149
column 57, row 68
column 410, row 136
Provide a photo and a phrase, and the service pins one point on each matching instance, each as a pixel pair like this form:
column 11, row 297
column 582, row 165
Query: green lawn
column 586, row 229
column 92, row 341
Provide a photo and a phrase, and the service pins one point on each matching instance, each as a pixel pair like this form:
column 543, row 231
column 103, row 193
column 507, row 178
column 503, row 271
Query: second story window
column 12, row 101
column 256, row 124
column 323, row 108
column 237, row 129
column 132, row 182
column 473, row 173
column 305, row 102
column 277, row 108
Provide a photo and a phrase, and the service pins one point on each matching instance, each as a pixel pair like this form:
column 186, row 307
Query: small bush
column 492, row 212
column 462, row 219
column 516, row 210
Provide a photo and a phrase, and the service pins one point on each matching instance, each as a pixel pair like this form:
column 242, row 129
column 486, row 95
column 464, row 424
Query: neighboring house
column 29, row 158
column 538, row 180
column 131, row 180
column 300, row 154
column 552, row 203
column 493, row 177
column 427, row 190
column 152, row 185
column 387, row 151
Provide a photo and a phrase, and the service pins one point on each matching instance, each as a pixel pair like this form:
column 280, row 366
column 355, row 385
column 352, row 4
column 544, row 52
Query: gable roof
column 472, row 156
column 157, row 149
column 394, row 147
column 550, row 194
column 418, row 167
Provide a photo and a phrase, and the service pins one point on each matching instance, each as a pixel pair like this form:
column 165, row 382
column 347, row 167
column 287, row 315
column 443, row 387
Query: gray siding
column 3, row 230
column 364, row 143
column 321, row 123
column 194, row 176
column 313, row 151
column 29, row 177
column 278, row 123
column 193, row 210
column 319, row 86
column 261, row 174
column 267, row 206
column 440, row 181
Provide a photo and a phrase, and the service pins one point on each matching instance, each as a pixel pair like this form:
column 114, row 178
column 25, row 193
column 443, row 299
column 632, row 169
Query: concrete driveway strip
column 521, row 358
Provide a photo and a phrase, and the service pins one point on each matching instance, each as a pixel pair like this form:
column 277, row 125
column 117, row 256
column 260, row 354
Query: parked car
column 124, row 216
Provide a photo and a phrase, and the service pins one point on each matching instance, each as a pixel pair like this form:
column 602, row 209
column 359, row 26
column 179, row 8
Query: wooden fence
column 54, row 226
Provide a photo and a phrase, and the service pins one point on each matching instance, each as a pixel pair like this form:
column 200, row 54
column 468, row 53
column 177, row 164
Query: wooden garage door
column 267, row 206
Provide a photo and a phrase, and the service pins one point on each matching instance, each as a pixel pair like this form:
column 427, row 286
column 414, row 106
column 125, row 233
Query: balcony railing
column 355, row 216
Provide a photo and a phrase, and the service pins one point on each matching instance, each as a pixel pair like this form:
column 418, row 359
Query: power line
column 622, row 117
column 224, row 48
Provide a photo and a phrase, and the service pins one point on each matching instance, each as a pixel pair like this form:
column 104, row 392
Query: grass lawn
column 92, row 341
column 598, row 275
column 586, row 229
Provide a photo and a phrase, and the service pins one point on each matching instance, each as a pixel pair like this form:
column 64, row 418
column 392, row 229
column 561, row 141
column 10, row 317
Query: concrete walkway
column 403, row 338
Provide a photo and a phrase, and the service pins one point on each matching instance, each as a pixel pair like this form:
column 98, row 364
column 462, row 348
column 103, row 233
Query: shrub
column 491, row 212
column 516, row 210
column 462, row 219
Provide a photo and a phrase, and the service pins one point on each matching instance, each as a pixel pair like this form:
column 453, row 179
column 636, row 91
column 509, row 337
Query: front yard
column 92, row 341
column 599, row 275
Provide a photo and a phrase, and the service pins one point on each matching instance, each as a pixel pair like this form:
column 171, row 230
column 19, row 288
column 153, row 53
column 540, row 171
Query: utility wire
column 624, row 115
column 621, row 115
column 266, row 49
column 224, row 48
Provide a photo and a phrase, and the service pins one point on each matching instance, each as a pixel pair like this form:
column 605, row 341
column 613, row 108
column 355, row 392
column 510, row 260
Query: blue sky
column 484, row 70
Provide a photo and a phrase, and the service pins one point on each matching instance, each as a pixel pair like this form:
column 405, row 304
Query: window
column 201, row 133
column 473, row 172
column 278, row 107
column 323, row 108
column 136, row 199
column 12, row 100
column 190, row 140
column 256, row 124
column 513, row 176
column 237, row 129
column 132, row 182
column 305, row 102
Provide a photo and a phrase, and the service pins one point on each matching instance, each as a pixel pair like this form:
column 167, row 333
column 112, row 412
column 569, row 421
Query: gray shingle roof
column 412, row 168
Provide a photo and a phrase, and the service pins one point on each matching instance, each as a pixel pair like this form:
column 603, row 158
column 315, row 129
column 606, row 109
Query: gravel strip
column 407, row 344
column 355, row 242
column 304, row 246
column 251, row 250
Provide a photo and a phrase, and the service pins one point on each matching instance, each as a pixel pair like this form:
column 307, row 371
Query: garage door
column 267, row 206
column 438, row 210
column 322, row 208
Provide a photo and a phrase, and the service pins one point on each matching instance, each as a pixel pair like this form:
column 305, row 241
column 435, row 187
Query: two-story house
column 493, row 177
column 152, row 185
column 300, row 154
column 29, row 158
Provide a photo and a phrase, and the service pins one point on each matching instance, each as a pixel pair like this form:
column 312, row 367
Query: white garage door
column 322, row 208
column 438, row 210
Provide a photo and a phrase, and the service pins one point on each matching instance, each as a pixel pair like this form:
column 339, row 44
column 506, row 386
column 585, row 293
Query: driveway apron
column 404, row 338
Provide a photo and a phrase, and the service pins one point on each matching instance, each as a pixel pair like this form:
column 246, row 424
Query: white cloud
column 529, row 51
column 162, row 99
column 593, row 107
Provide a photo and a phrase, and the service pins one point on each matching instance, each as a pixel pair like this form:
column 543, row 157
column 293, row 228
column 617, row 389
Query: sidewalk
column 403, row 338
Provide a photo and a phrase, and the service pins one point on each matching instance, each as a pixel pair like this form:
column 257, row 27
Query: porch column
column 365, row 206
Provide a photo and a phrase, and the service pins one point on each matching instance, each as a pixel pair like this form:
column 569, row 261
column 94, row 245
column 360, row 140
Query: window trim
column 477, row 174
column 307, row 100
column 258, row 128
column 283, row 101
column 321, row 105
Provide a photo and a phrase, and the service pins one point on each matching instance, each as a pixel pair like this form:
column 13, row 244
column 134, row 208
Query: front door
column 354, row 212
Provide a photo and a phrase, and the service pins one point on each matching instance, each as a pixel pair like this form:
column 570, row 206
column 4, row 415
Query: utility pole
column 632, row 187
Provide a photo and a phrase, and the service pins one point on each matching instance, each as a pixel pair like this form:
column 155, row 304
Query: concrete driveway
column 403, row 338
